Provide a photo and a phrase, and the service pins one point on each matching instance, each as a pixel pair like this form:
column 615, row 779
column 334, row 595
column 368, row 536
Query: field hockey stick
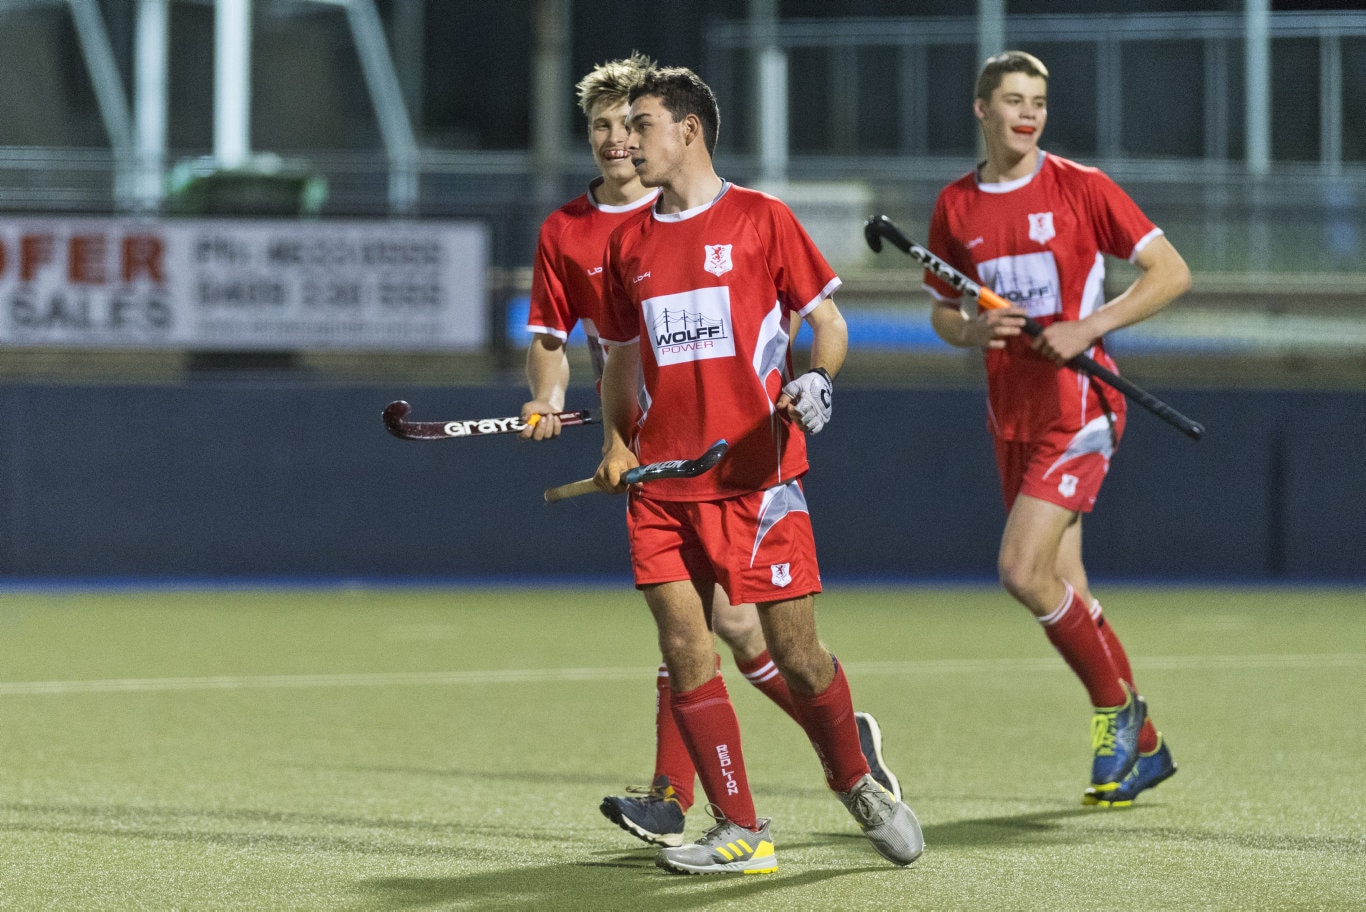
column 671, row 468
column 396, row 420
column 879, row 226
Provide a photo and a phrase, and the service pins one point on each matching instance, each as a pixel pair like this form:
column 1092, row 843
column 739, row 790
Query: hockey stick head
column 878, row 227
column 394, row 413
column 678, row 468
column 870, row 233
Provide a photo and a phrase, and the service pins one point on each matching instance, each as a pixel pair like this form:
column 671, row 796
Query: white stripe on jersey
column 1096, row 437
column 779, row 501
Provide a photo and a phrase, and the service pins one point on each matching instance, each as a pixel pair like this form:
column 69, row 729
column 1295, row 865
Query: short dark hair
column 996, row 68
column 682, row 92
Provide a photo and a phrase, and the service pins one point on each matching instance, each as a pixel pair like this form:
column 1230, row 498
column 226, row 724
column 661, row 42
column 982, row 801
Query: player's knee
column 1018, row 578
column 806, row 671
column 738, row 627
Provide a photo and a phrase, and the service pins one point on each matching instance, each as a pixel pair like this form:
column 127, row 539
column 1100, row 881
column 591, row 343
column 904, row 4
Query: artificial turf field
column 446, row 748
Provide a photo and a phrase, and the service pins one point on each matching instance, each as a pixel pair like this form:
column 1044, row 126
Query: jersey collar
column 1007, row 186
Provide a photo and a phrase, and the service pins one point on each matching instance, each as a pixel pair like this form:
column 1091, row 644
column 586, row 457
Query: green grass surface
column 433, row 749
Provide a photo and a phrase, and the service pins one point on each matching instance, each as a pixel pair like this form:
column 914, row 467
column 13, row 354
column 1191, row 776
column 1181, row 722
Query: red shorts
column 758, row 546
column 1064, row 468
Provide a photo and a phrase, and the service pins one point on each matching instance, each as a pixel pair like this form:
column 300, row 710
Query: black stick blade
column 394, row 413
column 678, row 468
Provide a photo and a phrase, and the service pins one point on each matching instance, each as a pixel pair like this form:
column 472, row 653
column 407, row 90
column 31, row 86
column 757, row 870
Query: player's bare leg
column 738, row 627
column 701, row 704
column 790, row 631
column 685, row 641
column 1155, row 764
column 824, row 706
column 656, row 813
column 1031, row 546
column 1041, row 541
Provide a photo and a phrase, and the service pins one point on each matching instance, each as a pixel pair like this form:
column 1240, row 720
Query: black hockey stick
column 396, row 420
column 879, row 226
column 671, row 468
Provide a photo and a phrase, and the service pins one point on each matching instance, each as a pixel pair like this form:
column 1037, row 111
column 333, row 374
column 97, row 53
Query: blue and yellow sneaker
column 657, row 818
column 723, row 849
column 1114, row 742
column 870, row 742
column 1152, row 768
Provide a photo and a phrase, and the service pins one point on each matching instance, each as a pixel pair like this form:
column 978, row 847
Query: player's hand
column 615, row 463
column 993, row 328
column 1062, row 341
column 807, row 401
column 541, row 423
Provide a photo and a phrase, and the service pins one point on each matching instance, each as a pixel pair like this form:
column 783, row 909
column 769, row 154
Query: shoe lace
column 869, row 806
column 659, row 791
column 1104, row 729
column 713, row 835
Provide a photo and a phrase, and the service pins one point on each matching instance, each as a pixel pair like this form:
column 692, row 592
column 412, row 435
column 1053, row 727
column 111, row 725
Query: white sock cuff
column 1056, row 614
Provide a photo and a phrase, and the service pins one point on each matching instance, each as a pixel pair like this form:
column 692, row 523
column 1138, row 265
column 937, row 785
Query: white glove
column 811, row 394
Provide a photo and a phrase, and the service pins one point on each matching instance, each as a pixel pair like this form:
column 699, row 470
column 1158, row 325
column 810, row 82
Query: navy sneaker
column 1114, row 742
column 1152, row 768
column 657, row 818
column 870, row 742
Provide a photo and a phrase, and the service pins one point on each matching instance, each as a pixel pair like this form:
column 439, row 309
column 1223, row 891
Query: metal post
column 1216, row 99
column 152, row 54
column 107, row 82
column 232, row 82
column 770, row 92
column 550, row 87
column 386, row 96
column 991, row 40
column 991, row 30
column 1330, row 102
column 1258, row 40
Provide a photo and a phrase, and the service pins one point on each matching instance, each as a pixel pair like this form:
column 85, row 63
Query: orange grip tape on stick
column 991, row 300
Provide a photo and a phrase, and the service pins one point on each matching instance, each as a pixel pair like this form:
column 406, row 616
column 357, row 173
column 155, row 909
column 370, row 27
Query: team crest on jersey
column 782, row 574
column 717, row 259
column 1041, row 227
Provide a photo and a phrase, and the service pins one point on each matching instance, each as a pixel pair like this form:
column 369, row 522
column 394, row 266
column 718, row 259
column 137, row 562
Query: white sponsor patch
column 1029, row 281
column 690, row 326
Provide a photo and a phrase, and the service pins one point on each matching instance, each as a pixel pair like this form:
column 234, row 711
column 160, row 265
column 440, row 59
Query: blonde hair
column 611, row 81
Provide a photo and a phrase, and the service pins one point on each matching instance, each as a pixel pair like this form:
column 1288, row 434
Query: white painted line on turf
column 562, row 675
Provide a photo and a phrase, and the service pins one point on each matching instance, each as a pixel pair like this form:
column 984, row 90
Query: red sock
column 828, row 720
column 707, row 722
column 1147, row 735
column 671, row 754
column 1077, row 638
column 763, row 674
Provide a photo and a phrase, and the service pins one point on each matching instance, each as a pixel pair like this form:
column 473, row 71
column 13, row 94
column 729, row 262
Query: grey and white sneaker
column 723, row 849
column 889, row 825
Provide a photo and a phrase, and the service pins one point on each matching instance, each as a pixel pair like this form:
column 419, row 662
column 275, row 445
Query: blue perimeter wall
column 225, row 479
